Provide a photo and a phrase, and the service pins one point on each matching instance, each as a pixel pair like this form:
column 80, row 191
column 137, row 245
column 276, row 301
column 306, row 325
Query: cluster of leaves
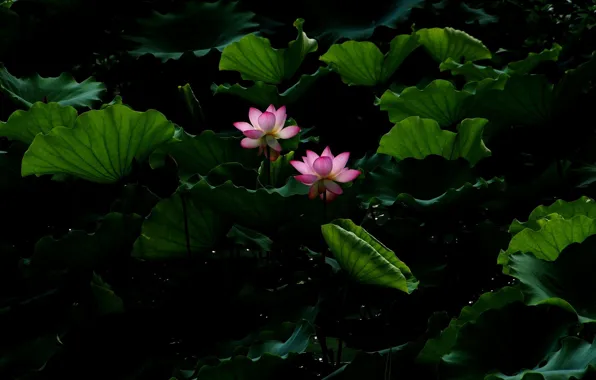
column 139, row 245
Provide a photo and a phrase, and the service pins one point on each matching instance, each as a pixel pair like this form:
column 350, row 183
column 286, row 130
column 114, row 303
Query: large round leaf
column 547, row 243
column 510, row 339
column 418, row 138
column 365, row 258
column 569, row 277
column 443, row 43
column 198, row 28
column 101, row 146
column 177, row 226
column 40, row 118
column 362, row 63
column 440, row 100
column 567, row 210
column 63, row 89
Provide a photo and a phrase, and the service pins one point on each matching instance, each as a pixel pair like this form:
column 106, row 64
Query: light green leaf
column 178, row 226
column 443, row 43
column 365, row 258
column 63, row 89
column 547, row 243
column 363, row 64
column 255, row 59
column 567, row 210
column 101, row 146
column 440, row 100
column 40, row 118
column 418, row 138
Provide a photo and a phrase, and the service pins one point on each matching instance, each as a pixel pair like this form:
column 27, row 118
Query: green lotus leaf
column 365, row 258
column 107, row 301
column 443, row 43
column 201, row 153
column 525, row 100
column 279, row 172
column 418, row 138
column 564, row 281
column 547, row 243
column 534, row 59
column 509, row 339
column 582, row 206
column 40, row 118
column 82, row 250
column 471, row 71
column 63, row 89
column 249, row 238
column 440, row 100
column 574, row 360
column 573, row 84
column 101, row 146
column 255, row 59
column 180, row 225
column 363, row 64
column 436, row 348
column 468, row 193
column 198, row 27
column 263, row 94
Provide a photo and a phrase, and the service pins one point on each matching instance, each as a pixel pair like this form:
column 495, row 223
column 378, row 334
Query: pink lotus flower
column 322, row 173
column 265, row 129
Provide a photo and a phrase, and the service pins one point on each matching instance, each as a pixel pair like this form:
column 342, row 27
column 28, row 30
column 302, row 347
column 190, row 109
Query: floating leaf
column 443, row 43
column 101, row 146
column 418, row 138
column 440, row 100
column 106, row 300
column 365, row 258
column 40, row 118
column 363, row 64
column 198, row 27
column 63, row 89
